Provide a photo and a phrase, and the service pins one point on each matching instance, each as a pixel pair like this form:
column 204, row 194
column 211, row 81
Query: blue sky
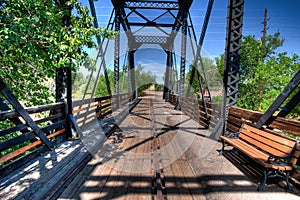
column 284, row 16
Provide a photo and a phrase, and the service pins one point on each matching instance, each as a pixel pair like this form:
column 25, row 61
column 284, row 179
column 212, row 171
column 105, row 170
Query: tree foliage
column 264, row 72
column 214, row 79
column 35, row 40
column 143, row 80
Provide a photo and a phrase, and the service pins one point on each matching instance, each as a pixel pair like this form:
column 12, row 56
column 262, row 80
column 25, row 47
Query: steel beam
column 117, row 54
column 232, row 56
column 162, row 5
column 167, row 84
column 100, row 43
column 199, row 46
column 183, row 52
column 150, row 39
column 24, row 114
column 60, row 84
column 150, row 24
column 132, row 73
column 182, row 58
column 290, row 105
column 293, row 84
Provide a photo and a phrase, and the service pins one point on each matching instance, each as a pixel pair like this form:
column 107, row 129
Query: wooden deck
column 124, row 168
column 186, row 164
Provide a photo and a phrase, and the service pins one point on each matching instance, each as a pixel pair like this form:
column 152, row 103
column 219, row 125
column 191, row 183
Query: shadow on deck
column 121, row 167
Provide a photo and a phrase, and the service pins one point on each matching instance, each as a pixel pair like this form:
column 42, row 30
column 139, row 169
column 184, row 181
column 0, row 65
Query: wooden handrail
column 28, row 147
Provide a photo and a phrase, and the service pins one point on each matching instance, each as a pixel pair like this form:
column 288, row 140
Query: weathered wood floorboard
column 126, row 172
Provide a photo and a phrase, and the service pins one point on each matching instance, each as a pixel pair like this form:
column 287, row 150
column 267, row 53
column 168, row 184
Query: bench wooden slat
column 267, row 141
column 296, row 156
column 277, row 138
column 246, row 148
column 262, row 146
column 269, row 150
column 257, row 155
column 283, row 142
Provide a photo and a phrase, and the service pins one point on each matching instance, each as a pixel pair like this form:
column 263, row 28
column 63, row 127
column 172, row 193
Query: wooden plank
column 16, row 140
column 25, row 115
column 232, row 127
column 233, row 120
column 287, row 125
column 79, row 103
column 103, row 98
column 262, row 146
column 267, row 141
column 247, row 149
column 290, row 126
column 28, row 147
column 13, row 114
column 24, row 126
column 13, row 129
column 191, row 181
column 274, row 137
column 244, row 113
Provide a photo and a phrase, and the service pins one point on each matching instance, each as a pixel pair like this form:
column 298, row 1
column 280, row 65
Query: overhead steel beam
column 183, row 53
column 162, row 5
column 150, row 39
column 176, row 27
column 232, row 56
column 151, row 24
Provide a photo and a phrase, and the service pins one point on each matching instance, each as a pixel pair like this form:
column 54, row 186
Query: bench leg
column 223, row 147
column 289, row 189
column 262, row 184
column 268, row 174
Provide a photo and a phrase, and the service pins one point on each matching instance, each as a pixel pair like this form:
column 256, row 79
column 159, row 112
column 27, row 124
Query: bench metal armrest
column 277, row 160
column 283, row 161
column 235, row 134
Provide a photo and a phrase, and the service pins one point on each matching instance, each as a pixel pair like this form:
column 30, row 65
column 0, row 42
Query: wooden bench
column 276, row 153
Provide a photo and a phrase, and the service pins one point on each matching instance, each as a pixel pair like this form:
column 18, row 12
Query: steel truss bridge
column 67, row 115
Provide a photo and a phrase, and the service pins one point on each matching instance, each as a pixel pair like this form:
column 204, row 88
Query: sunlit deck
column 186, row 164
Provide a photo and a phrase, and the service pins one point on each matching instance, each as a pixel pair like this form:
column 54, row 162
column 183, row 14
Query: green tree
column 264, row 72
column 79, row 82
column 101, row 88
column 33, row 44
column 212, row 75
column 143, row 80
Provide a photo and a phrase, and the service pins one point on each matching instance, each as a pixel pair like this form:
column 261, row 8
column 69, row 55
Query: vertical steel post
column 182, row 57
column 183, row 53
column 68, row 74
column 232, row 56
column 131, row 72
column 60, row 85
column 170, row 64
column 167, row 75
column 117, row 56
